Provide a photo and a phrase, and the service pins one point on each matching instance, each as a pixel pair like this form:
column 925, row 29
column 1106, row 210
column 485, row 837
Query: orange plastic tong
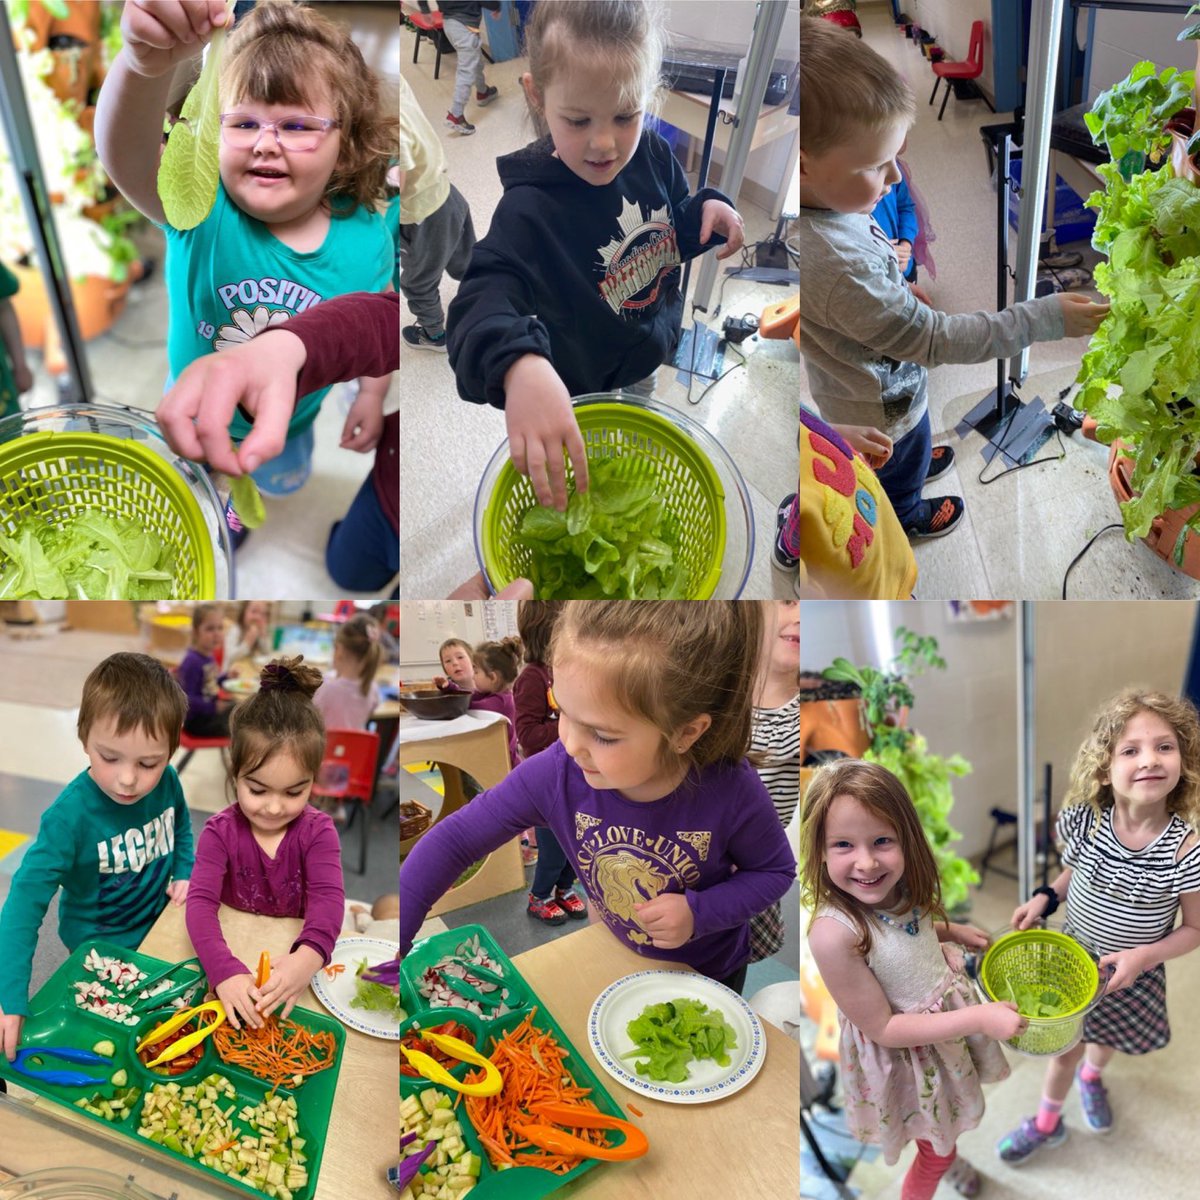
column 264, row 969
column 558, row 1141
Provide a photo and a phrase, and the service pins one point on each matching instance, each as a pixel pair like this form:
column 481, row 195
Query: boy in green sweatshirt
column 118, row 840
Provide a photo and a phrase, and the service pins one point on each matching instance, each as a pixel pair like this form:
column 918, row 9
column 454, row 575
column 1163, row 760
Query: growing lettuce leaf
column 188, row 171
column 615, row 540
column 89, row 556
column 1130, row 116
column 672, row 1034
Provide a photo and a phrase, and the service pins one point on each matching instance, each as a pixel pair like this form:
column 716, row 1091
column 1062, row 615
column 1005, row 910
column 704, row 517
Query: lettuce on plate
column 670, row 1035
column 616, row 540
column 375, row 997
column 88, row 556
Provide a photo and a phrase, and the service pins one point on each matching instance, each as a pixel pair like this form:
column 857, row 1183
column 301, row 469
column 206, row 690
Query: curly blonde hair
column 1090, row 782
column 884, row 797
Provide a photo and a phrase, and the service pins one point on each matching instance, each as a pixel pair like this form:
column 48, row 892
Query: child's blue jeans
column 904, row 474
column 363, row 551
column 553, row 869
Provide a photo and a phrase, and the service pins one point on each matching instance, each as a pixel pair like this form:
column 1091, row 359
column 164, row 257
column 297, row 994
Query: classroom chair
column 191, row 744
column 348, row 773
column 970, row 70
column 429, row 26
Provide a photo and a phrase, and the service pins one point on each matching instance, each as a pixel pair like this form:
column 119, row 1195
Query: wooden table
column 361, row 1142
column 747, row 1144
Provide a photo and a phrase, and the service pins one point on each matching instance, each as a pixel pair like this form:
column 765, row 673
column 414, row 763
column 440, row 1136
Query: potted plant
column 883, row 701
column 1141, row 370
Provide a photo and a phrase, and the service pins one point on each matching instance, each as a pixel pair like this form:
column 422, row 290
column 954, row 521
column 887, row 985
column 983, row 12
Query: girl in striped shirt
column 1128, row 831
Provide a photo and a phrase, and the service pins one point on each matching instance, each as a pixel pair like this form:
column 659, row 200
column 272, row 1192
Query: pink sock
column 1088, row 1073
column 1048, row 1114
column 922, row 1179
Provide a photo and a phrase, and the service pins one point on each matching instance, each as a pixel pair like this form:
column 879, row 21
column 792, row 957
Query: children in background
column 306, row 137
column 576, row 286
column 1129, row 844
column 15, row 376
column 200, row 677
column 494, row 666
column 347, row 699
column 647, row 789
column 436, row 233
column 867, row 337
column 270, row 852
column 461, row 23
column 551, row 898
column 250, row 634
column 915, row 1042
column 455, row 657
column 117, row 840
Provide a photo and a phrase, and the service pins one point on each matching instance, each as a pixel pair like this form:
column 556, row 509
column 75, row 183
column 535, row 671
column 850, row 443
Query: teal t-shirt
column 231, row 278
column 113, row 862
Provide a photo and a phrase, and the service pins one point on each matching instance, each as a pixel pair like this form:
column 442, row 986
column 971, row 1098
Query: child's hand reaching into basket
column 290, row 975
column 1029, row 913
column 238, row 995
column 1000, row 1020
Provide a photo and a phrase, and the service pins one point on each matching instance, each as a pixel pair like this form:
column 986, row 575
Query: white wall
column 1122, row 39
column 426, row 624
column 950, row 22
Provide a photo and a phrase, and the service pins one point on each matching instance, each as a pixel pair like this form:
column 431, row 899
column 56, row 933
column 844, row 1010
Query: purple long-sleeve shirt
column 498, row 702
column 198, row 676
column 626, row 852
column 304, row 879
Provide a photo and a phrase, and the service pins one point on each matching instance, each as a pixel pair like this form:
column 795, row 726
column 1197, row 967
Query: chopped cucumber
column 105, row 1048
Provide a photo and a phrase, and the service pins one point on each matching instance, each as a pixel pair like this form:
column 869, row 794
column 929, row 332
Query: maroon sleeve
column 348, row 336
column 324, row 891
column 537, row 726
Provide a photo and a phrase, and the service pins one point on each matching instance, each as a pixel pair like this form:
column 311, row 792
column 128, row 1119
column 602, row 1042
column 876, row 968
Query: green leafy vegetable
column 89, row 556
column 188, row 171
column 1130, row 116
column 617, row 539
column 375, row 997
column 247, row 502
column 671, row 1035
column 1032, row 1001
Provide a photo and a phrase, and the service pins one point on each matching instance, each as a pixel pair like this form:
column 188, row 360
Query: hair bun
column 289, row 675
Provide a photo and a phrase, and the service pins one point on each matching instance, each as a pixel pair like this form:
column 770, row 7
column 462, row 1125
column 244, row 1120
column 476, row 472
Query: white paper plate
column 622, row 1001
column 336, row 993
column 240, row 686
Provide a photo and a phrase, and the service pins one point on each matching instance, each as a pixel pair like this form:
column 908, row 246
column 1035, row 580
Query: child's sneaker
column 545, row 910
column 937, row 517
column 486, row 97
column 1027, row 1139
column 418, row 339
column 238, row 533
column 940, row 461
column 459, row 124
column 780, row 559
column 963, row 1177
column 1093, row 1096
column 571, row 904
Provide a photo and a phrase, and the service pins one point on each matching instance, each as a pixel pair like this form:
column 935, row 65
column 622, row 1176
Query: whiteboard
column 426, row 624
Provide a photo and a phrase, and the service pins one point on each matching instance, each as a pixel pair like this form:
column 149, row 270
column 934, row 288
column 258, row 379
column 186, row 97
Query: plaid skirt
column 1133, row 1020
column 766, row 933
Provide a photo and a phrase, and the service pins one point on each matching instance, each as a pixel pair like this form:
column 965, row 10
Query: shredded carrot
column 531, row 1061
column 336, row 969
column 635, row 1110
column 273, row 1054
column 223, row 1147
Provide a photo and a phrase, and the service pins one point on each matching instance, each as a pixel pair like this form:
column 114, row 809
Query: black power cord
column 1091, row 542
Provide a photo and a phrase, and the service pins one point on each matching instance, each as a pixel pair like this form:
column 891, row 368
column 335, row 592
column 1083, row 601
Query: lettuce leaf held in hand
column 616, row 540
column 188, row 171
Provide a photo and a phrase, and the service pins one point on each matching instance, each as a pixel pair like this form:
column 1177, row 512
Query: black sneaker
column 780, row 559
column 937, row 517
column 940, row 461
column 238, row 533
column 460, row 125
column 483, row 98
column 418, row 339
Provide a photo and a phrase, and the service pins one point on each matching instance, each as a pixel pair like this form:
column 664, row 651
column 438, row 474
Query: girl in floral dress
column 916, row 1045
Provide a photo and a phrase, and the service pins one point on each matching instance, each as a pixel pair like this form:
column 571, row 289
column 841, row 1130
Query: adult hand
column 667, row 919
column 260, row 375
column 290, row 975
column 541, row 423
column 1127, row 966
column 10, row 1033
column 177, row 889
column 1030, row 912
column 238, row 995
column 160, row 34
column 476, row 588
column 1081, row 316
column 716, row 215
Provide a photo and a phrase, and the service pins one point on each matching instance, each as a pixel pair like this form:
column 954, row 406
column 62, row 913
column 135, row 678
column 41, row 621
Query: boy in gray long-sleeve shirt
column 867, row 339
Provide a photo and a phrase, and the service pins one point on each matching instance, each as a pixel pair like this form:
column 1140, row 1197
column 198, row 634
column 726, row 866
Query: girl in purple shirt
column 270, row 852
column 648, row 790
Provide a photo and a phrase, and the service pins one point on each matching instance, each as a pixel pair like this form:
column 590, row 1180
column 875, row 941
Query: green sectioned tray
column 56, row 1020
column 517, row 1183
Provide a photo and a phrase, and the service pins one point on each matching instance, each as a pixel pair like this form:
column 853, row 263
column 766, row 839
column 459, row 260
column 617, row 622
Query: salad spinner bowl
column 693, row 473
column 59, row 461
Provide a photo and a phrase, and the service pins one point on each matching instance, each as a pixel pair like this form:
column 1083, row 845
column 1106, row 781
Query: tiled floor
column 448, row 442
column 1020, row 533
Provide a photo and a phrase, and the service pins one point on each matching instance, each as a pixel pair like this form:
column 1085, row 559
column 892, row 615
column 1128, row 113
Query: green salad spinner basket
column 701, row 487
column 1054, row 967
column 60, row 461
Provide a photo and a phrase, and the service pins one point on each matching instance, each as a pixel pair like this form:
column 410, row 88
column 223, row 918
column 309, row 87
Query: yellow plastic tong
column 175, row 1049
column 490, row 1085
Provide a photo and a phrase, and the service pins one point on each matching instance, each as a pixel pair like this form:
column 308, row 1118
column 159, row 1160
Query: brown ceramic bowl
column 432, row 705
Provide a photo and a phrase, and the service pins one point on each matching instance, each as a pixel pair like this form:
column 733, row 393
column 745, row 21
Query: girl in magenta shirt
column 270, row 852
